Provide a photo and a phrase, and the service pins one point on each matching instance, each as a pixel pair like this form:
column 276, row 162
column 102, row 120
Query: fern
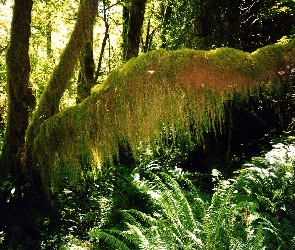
column 147, row 230
column 135, row 217
column 109, row 238
column 255, row 211
column 176, row 210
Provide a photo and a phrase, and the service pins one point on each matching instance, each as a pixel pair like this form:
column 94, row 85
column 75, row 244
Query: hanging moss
column 182, row 91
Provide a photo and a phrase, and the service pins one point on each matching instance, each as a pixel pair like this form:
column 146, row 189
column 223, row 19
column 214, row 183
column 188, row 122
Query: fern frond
column 168, row 203
column 186, row 211
column 178, row 223
column 129, row 218
column 134, row 216
column 138, row 232
column 109, row 239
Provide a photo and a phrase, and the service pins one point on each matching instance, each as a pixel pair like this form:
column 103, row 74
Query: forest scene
column 147, row 124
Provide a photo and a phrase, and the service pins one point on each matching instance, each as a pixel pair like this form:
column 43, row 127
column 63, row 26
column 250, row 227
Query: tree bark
column 20, row 97
column 126, row 15
column 48, row 36
column 86, row 76
column 104, row 43
column 166, row 16
column 137, row 11
column 50, row 99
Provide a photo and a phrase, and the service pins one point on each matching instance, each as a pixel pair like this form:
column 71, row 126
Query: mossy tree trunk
column 137, row 11
column 50, row 99
column 86, row 75
column 180, row 97
column 20, row 97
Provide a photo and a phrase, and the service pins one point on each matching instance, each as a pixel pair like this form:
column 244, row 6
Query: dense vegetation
column 157, row 205
column 147, row 124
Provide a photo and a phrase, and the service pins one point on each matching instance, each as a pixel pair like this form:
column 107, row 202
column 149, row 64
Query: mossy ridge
column 270, row 60
column 183, row 91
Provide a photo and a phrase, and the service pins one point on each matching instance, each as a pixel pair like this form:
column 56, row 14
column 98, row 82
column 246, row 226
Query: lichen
column 182, row 91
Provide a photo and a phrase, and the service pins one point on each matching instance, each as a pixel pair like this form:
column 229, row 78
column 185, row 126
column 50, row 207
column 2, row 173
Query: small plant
column 9, row 190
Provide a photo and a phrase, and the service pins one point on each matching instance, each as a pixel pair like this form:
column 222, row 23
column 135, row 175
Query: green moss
column 182, row 92
column 271, row 60
column 48, row 105
column 231, row 60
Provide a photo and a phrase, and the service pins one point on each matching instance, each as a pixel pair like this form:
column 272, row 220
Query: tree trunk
column 126, row 13
column 134, row 30
column 86, row 75
column 232, row 24
column 166, row 16
column 50, row 99
column 86, row 81
column 48, row 36
column 20, row 97
column 104, row 43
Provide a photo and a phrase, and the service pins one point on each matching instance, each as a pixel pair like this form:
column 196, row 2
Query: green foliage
column 254, row 210
column 209, row 24
column 9, row 190
column 157, row 207
column 95, row 202
column 173, row 224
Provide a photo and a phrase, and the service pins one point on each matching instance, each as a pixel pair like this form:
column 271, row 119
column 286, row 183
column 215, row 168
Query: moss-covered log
column 182, row 91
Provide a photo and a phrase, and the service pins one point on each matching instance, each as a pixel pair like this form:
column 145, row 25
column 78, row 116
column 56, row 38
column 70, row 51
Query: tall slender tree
column 125, row 15
column 49, row 36
column 136, row 18
column 104, row 42
column 86, row 75
column 166, row 14
column 20, row 97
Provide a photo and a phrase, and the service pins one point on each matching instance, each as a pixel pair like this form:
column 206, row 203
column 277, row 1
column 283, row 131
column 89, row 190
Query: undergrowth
column 253, row 210
column 155, row 206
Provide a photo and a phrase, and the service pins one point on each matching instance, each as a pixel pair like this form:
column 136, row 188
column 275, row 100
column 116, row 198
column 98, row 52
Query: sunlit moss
column 49, row 101
column 182, row 91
